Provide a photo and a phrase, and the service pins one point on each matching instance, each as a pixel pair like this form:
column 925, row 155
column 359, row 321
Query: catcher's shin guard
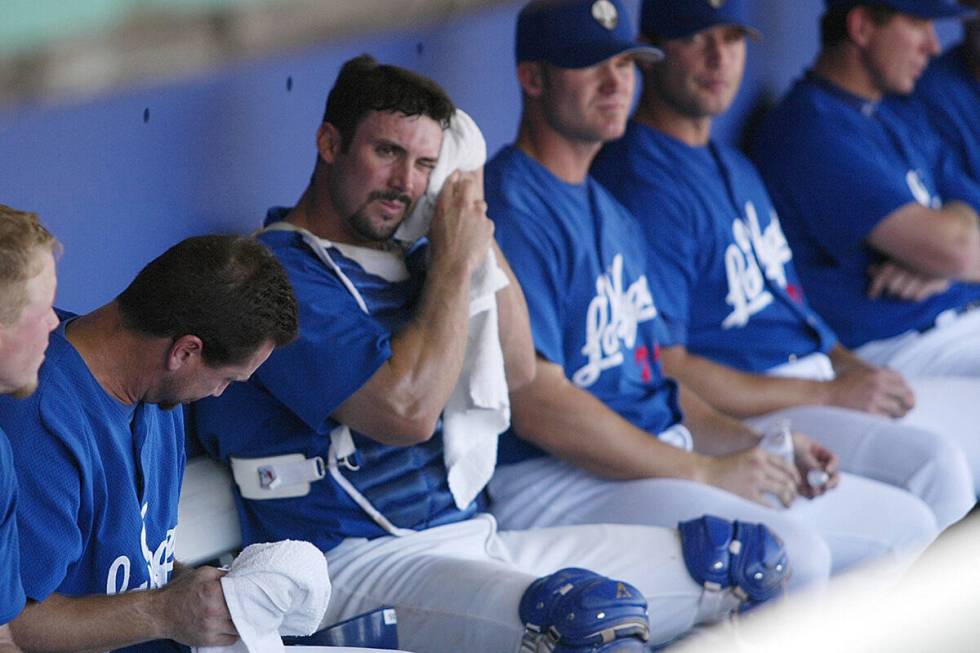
column 579, row 611
column 748, row 558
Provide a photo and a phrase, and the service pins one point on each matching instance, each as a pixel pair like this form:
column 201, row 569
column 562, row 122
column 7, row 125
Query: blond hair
column 21, row 237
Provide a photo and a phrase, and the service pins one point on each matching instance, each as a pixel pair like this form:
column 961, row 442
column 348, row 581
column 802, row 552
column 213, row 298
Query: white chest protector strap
column 276, row 477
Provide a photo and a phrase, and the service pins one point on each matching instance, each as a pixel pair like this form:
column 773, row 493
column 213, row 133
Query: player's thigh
column 951, row 407
column 865, row 521
column 452, row 587
column 556, row 494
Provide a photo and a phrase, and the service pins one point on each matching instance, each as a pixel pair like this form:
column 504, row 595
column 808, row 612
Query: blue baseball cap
column 577, row 33
column 928, row 9
column 675, row 19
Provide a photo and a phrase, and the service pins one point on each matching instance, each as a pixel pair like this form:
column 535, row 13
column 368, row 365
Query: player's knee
column 957, row 488
column 745, row 558
column 579, row 610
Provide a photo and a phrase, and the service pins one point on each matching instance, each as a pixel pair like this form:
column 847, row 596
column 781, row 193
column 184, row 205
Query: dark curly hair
column 229, row 291
column 364, row 85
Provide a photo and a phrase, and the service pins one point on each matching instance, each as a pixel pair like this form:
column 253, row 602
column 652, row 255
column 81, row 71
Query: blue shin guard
column 579, row 611
column 748, row 558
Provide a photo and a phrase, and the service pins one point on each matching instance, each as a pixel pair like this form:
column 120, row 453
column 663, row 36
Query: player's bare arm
column 938, row 243
column 734, row 392
column 190, row 610
column 514, row 328
column 573, row 425
column 400, row 403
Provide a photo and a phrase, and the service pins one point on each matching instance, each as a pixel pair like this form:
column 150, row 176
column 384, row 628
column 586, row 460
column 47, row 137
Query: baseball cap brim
column 579, row 56
column 928, row 9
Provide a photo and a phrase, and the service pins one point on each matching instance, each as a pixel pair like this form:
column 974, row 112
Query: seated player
column 99, row 448
column 27, row 285
column 886, row 242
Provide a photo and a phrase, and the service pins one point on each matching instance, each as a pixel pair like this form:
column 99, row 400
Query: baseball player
column 886, row 243
column 27, row 285
column 99, row 449
column 950, row 92
column 739, row 329
column 599, row 435
column 346, row 420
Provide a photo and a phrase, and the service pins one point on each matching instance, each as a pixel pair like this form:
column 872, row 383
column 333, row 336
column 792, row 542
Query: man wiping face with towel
column 344, row 438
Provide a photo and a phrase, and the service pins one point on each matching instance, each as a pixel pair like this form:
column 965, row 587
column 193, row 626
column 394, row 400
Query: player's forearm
column 940, row 244
column 413, row 386
column 92, row 623
column 968, row 240
column 844, row 360
column 714, row 434
column 7, row 644
column 573, row 425
column 733, row 392
column 514, row 327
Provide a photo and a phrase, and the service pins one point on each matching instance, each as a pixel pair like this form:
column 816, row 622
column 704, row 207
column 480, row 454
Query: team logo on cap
column 605, row 14
column 716, row 4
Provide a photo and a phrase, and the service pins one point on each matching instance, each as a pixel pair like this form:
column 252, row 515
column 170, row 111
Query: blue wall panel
column 218, row 149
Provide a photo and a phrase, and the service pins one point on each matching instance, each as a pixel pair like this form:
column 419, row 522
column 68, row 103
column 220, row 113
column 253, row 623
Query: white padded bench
column 208, row 527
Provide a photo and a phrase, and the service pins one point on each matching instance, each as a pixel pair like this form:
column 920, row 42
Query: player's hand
column 461, row 232
column 893, row 280
column 813, row 461
column 875, row 390
column 193, row 609
column 754, row 473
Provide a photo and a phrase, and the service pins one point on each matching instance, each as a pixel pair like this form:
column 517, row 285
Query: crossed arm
column 929, row 246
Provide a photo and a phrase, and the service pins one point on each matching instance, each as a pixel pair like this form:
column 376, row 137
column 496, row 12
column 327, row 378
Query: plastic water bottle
column 778, row 440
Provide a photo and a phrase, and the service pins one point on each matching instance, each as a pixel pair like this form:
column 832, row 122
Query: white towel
column 279, row 587
column 479, row 408
column 463, row 148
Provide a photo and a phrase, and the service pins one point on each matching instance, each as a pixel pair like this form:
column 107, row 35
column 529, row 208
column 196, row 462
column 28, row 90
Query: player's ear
column 328, row 142
column 182, row 351
column 860, row 26
column 531, row 74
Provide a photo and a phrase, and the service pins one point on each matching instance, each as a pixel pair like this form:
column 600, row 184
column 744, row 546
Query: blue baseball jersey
column 951, row 94
column 836, row 165
column 11, row 592
column 99, row 484
column 580, row 259
column 286, row 406
column 728, row 288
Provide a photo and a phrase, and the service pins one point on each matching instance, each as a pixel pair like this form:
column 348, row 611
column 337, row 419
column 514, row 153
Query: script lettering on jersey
column 747, row 294
column 159, row 563
column 611, row 321
column 921, row 192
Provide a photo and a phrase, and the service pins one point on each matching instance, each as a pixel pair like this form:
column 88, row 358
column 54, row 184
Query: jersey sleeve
column 50, row 521
column 538, row 265
column 338, row 349
column 11, row 591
